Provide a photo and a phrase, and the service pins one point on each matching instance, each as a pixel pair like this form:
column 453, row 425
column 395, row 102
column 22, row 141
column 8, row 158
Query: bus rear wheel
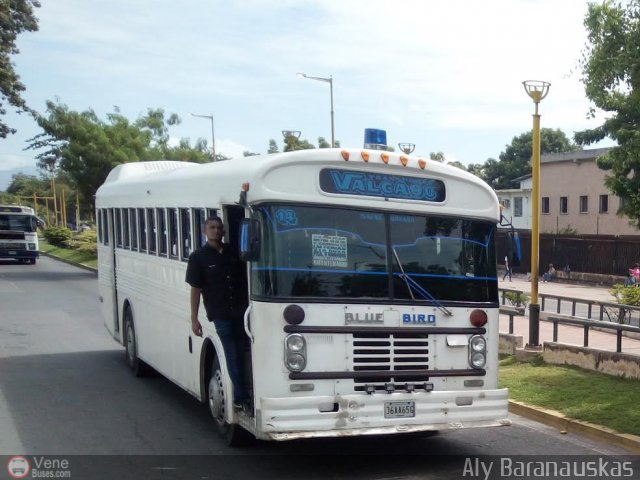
column 217, row 394
column 137, row 366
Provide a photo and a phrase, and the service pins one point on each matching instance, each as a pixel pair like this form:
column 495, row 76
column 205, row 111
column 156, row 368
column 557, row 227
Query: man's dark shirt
column 217, row 275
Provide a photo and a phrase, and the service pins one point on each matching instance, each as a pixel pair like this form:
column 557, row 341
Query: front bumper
column 361, row 414
column 19, row 254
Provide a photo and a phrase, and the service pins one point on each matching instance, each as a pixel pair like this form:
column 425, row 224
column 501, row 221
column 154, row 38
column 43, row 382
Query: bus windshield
column 20, row 223
column 337, row 253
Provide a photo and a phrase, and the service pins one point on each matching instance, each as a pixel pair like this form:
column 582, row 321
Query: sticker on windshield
column 329, row 250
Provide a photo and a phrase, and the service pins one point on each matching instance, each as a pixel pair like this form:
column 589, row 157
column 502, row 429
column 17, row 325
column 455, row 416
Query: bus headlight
column 478, row 343
column 295, row 343
column 295, row 352
column 296, row 362
column 478, row 360
column 477, row 351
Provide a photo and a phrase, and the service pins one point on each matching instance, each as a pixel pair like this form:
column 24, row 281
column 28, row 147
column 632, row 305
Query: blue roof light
column 375, row 139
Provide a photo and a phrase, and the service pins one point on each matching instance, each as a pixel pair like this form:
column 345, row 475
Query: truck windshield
column 336, row 253
column 20, row 223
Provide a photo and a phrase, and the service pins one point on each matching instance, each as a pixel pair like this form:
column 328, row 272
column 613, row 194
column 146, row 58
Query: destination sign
column 350, row 182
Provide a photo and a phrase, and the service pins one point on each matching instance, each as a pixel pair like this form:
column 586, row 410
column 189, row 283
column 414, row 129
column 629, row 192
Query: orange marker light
column 365, row 156
column 404, row 160
column 345, row 155
column 422, row 164
column 385, row 157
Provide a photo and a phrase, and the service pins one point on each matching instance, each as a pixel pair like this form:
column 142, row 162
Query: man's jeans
column 230, row 332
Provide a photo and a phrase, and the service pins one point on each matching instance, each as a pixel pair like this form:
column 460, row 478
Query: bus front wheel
column 234, row 435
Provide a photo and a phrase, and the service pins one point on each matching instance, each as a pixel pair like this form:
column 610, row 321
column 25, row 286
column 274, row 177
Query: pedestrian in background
column 507, row 267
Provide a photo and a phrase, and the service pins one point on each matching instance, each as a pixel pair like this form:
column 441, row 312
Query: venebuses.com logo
column 18, row 467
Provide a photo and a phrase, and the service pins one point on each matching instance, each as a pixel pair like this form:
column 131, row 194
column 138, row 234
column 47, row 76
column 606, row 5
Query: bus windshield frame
column 336, row 254
column 17, row 222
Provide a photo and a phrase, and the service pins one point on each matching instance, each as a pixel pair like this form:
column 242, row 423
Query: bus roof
column 18, row 209
column 295, row 177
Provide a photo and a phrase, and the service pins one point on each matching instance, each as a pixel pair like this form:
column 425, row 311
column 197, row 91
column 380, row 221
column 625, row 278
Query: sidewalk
column 567, row 334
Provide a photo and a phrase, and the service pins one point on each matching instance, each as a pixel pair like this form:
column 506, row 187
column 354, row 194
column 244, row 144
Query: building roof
column 577, row 155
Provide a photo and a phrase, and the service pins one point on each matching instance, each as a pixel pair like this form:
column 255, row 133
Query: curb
column 570, row 425
column 69, row 262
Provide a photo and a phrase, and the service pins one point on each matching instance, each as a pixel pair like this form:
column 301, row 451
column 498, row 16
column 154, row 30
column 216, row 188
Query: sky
column 444, row 75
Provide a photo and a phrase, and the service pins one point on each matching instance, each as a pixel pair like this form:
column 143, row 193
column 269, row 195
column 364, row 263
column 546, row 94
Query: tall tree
column 437, row 156
column 273, row 146
column 27, row 185
column 515, row 161
column 86, row 148
column 16, row 16
column 611, row 76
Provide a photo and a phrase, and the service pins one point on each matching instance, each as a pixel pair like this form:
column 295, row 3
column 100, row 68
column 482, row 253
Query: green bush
column 57, row 236
column 519, row 299
column 84, row 242
column 626, row 295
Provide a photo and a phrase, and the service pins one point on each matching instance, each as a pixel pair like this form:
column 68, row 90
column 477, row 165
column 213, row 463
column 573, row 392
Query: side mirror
column 249, row 240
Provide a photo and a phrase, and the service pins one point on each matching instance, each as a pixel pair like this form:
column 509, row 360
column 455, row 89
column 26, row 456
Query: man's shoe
column 247, row 408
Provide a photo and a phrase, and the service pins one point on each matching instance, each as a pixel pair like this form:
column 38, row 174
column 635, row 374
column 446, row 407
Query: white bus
column 371, row 279
column 19, row 233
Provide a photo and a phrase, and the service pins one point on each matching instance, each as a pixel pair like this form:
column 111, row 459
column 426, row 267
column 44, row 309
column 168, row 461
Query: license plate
column 12, row 252
column 399, row 409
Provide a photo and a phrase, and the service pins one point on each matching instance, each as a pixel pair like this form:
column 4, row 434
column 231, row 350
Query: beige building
column 575, row 199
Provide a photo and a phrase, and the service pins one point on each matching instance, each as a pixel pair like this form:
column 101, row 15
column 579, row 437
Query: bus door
column 233, row 215
column 107, row 273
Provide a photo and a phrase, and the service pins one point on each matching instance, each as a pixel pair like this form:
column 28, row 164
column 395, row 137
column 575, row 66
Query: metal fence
column 562, row 310
column 602, row 254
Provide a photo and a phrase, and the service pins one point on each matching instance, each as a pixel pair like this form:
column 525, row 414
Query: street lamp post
column 330, row 82
column 537, row 90
column 213, row 136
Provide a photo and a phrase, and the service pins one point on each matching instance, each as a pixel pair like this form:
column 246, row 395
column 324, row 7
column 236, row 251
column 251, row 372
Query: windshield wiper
column 411, row 284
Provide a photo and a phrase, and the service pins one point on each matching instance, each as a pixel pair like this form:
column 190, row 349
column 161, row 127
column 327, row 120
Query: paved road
column 65, row 390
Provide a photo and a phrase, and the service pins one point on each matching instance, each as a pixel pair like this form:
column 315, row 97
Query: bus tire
column 234, row 435
column 32, row 261
column 137, row 366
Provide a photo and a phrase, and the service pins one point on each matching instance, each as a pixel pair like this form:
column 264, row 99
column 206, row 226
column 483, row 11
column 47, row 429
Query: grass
column 68, row 254
column 580, row 394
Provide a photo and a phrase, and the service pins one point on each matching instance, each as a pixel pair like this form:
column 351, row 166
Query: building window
column 505, row 203
column 623, row 202
column 564, row 205
column 584, row 204
column 545, row 204
column 517, row 206
column 604, row 203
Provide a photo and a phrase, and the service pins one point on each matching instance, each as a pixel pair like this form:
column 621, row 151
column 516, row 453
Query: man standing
column 213, row 272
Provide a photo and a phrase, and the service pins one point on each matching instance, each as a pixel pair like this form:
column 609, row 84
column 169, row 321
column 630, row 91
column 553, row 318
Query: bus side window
column 198, row 222
column 142, row 228
column 99, row 225
column 106, row 215
column 118, row 227
column 133, row 225
column 172, row 217
column 185, row 233
column 162, row 232
column 151, row 222
column 125, row 228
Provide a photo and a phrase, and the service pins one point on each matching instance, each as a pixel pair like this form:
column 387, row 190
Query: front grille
column 11, row 235
column 12, row 246
column 391, row 353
